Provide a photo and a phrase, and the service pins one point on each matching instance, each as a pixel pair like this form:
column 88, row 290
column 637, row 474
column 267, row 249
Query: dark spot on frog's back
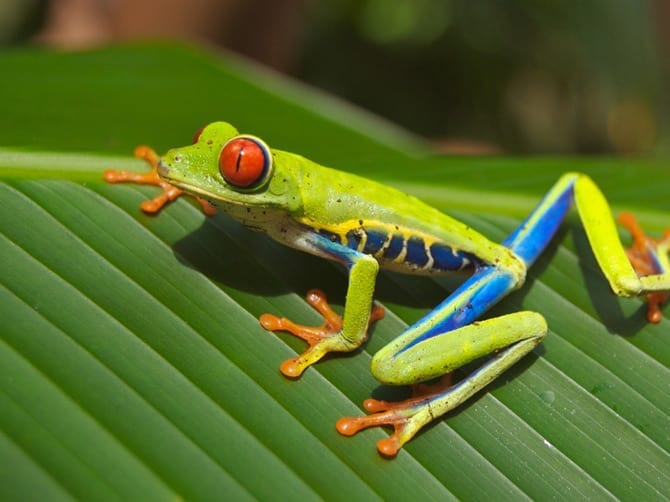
column 354, row 238
column 331, row 236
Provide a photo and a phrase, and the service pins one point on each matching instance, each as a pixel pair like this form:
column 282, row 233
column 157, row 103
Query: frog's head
column 232, row 170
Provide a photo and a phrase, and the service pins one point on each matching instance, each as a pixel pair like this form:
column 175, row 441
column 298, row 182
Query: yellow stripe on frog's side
column 396, row 247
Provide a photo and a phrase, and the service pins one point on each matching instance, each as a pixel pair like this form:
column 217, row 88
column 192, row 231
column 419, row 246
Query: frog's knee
column 626, row 286
column 387, row 370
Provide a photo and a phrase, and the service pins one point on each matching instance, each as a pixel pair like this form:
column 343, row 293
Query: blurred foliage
column 19, row 19
column 518, row 77
column 528, row 76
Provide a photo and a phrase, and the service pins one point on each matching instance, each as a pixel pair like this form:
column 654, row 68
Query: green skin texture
column 301, row 197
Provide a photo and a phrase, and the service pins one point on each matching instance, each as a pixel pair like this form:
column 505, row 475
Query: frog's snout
column 163, row 169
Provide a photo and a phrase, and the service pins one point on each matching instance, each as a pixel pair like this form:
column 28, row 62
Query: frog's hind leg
column 449, row 337
column 648, row 256
column 426, row 350
column 525, row 329
column 642, row 270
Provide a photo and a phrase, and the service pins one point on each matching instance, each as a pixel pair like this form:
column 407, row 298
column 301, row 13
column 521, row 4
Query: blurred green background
column 474, row 77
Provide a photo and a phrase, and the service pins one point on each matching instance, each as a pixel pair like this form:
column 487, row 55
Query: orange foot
column 643, row 256
column 169, row 193
column 321, row 339
column 406, row 417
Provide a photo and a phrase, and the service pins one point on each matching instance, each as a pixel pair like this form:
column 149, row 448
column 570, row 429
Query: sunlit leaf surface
column 131, row 360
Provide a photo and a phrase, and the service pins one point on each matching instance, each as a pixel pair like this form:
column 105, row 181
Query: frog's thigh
column 422, row 360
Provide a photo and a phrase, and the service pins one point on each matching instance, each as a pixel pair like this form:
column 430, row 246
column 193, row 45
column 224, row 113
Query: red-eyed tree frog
column 365, row 225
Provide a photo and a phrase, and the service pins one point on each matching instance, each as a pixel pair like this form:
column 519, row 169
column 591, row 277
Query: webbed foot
column 406, row 417
column 321, row 339
column 645, row 256
column 169, row 192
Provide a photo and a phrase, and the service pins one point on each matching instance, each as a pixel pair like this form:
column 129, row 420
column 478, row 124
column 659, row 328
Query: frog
column 367, row 226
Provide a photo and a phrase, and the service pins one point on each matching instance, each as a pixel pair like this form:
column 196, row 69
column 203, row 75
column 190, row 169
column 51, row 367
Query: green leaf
column 131, row 360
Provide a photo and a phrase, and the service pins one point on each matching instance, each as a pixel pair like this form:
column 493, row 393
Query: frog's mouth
column 163, row 170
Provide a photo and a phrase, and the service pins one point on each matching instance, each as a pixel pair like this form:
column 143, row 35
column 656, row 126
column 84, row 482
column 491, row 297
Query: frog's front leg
column 169, row 192
column 338, row 333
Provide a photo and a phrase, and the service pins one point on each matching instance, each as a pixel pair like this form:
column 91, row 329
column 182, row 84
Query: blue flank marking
column 395, row 247
column 528, row 243
column 474, row 297
column 416, row 252
column 374, row 242
column 444, row 258
column 337, row 250
column 354, row 238
column 489, row 284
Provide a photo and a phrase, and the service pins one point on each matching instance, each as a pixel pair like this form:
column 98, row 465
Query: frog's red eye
column 245, row 161
column 197, row 134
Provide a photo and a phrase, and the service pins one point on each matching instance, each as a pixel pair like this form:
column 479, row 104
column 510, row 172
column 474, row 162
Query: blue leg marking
column 489, row 284
column 474, row 297
column 533, row 235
